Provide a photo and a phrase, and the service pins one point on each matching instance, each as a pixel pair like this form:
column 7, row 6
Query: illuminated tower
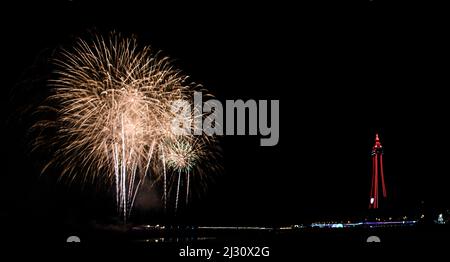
column 377, row 171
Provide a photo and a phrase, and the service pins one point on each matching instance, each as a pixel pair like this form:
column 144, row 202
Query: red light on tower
column 377, row 171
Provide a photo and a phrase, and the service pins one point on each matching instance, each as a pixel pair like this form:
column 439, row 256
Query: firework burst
column 183, row 153
column 113, row 121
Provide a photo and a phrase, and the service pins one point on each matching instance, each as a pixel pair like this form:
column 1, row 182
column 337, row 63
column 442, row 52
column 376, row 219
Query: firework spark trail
column 187, row 188
column 113, row 119
column 133, row 178
column 141, row 181
column 178, row 191
column 116, row 174
column 123, row 174
column 165, row 180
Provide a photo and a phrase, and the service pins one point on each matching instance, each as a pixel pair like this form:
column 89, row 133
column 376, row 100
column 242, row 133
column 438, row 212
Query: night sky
column 341, row 73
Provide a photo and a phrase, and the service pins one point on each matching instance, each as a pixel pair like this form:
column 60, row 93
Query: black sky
column 341, row 73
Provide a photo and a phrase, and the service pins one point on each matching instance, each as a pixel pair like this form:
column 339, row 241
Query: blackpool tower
column 377, row 173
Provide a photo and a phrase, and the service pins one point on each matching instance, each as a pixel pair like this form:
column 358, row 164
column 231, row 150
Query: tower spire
column 377, row 172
